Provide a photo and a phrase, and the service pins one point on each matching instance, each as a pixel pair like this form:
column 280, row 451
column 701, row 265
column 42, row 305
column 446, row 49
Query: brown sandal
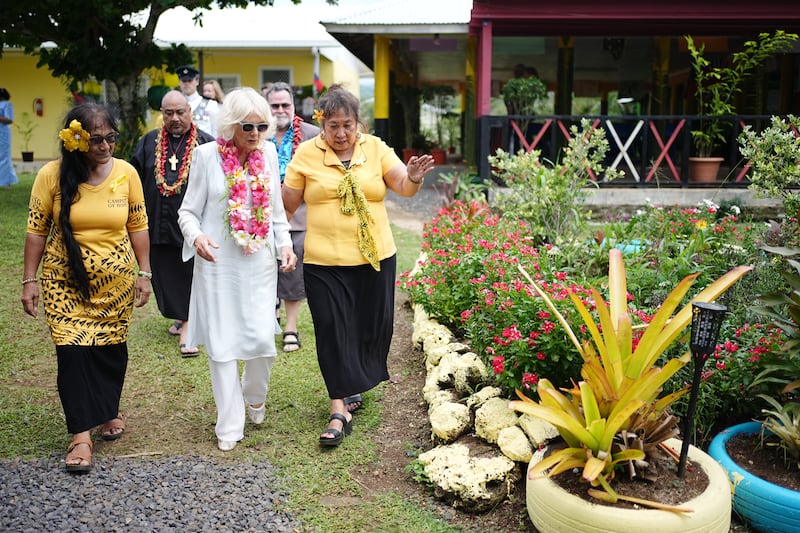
column 78, row 468
column 107, row 431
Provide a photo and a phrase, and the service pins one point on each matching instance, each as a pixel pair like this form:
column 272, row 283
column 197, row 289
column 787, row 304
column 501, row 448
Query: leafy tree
column 109, row 40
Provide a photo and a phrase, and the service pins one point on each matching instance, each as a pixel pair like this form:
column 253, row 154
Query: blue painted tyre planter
column 765, row 506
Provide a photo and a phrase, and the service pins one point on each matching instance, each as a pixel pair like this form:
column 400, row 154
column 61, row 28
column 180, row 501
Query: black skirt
column 172, row 280
column 90, row 380
column 352, row 308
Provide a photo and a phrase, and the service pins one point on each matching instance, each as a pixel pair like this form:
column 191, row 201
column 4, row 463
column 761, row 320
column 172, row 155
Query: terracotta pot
column 554, row 510
column 704, row 169
column 764, row 505
column 408, row 153
column 439, row 156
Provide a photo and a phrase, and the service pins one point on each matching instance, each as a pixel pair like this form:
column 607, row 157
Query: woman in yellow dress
column 349, row 262
column 87, row 227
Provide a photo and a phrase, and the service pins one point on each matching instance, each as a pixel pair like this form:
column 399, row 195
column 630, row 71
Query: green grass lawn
column 169, row 408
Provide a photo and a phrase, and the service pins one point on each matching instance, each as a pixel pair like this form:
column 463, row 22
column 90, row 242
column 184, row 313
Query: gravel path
column 143, row 495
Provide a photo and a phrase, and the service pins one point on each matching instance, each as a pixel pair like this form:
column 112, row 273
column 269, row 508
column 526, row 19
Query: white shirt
column 232, row 302
column 204, row 115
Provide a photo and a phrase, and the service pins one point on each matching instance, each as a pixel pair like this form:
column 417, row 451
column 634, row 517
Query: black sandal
column 291, row 345
column 347, row 427
column 353, row 403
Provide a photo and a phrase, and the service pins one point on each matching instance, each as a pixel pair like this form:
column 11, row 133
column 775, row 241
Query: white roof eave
column 252, row 44
column 398, row 29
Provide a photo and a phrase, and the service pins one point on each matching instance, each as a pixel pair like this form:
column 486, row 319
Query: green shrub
column 550, row 196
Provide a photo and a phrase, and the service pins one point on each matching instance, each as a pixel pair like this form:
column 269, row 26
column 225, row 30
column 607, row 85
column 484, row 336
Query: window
column 226, row 81
column 271, row 75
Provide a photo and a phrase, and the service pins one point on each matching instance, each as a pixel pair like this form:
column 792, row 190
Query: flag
column 317, row 83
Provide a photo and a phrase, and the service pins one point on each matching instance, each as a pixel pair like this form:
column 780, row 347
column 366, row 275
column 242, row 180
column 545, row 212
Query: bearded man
column 162, row 158
column 291, row 131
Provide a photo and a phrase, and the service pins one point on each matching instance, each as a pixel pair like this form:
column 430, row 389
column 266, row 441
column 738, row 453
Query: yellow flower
column 701, row 225
column 93, row 88
column 75, row 137
column 318, row 116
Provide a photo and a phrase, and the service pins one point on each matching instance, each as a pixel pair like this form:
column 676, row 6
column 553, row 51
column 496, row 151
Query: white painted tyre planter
column 765, row 506
column 554, row 510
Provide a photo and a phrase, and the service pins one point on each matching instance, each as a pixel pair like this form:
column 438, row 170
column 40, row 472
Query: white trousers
column 230, row 394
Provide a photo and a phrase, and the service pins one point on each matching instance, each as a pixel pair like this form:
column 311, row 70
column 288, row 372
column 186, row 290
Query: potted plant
column 767, row 505
column 452, row 124
column 439, row 98
column 521, row 96
column 26, row 126
column 613, row 421
column 715, row 92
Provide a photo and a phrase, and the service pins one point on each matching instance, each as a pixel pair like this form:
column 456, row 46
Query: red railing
column 648, row 150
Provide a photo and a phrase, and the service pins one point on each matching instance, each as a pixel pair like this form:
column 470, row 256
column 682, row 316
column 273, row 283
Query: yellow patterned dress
column 101, row 218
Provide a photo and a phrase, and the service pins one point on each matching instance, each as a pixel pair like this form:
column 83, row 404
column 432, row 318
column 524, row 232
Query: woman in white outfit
column 232, row 217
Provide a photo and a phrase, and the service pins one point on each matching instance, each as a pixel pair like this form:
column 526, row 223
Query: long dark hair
column 74, row 171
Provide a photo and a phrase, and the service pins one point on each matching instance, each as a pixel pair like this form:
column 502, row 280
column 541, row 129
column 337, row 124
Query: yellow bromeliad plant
column 613, row 416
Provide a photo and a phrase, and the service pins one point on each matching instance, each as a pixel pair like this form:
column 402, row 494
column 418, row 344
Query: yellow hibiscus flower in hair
column 75, row 137
column 318, row 115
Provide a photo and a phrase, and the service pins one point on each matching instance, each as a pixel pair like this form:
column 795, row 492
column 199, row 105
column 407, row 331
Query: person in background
column 213, row 91
column 264, row 89
column 204, row 110
column 87, row 226
column 8, row 175
column 350, row 254
column 290, row 132
column 162, row 159
column 236, row 275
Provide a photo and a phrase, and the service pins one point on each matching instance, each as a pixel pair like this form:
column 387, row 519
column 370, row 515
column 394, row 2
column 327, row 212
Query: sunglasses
column 247, row 127
column 97, row 140
column 279, row 106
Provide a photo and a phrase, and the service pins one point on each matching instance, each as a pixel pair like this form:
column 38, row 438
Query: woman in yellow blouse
column 349, row 264
column 87, row 226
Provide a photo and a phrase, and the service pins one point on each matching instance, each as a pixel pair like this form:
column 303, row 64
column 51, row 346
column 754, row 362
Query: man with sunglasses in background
column 291, row 131
column 204, row 110
column 162, row 158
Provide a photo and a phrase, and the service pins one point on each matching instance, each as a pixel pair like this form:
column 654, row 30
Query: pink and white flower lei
column 248, row 220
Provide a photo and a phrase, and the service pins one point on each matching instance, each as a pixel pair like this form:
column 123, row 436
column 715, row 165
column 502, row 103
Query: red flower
column 497, row 364
column 529, row 380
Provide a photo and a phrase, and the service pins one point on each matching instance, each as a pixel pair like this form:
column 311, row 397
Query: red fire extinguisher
column 37, row 107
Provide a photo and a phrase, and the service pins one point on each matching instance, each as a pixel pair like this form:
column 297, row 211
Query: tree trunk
column 130, row 105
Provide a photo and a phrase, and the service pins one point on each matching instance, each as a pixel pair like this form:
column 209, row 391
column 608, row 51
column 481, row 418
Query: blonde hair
column 219, row 95
column 239, row 103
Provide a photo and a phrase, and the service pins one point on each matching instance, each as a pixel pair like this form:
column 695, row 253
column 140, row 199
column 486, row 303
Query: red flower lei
column 297, row 136
column 162, row 148
column 248, row 215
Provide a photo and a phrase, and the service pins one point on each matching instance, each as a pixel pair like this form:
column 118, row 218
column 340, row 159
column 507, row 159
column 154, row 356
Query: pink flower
column 248, row 215
column 497, row 364
column 512, row 333
column 529, row 380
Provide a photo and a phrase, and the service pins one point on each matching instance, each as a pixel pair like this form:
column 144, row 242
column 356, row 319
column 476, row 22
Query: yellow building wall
column 248, row 64
column 25, row 82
